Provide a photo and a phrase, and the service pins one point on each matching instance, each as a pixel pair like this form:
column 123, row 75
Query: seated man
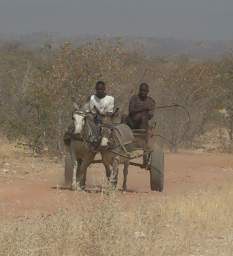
column 101, row 104
column 141, row 109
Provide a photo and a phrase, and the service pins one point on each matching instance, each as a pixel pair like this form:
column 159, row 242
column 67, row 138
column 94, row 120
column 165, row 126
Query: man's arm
column 92, row 105
column 151, row 109
column 133, row 109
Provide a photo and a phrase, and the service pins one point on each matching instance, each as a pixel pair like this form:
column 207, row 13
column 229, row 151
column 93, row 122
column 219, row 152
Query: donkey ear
column 75, row 106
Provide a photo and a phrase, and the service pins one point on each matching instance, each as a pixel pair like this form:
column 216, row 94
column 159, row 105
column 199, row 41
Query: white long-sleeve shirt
column 104, row 105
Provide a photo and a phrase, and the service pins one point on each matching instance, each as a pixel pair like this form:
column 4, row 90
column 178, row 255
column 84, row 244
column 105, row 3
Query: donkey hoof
column 113, row 185
column 124, row 189
column 80, row 189
column 74, row 186
column 77, row 187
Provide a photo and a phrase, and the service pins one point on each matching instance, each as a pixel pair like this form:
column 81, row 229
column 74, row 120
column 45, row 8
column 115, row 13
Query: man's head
column 100, row 89
column 143, row 91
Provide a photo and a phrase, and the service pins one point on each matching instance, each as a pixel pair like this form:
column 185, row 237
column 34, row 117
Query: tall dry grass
column 198, row 224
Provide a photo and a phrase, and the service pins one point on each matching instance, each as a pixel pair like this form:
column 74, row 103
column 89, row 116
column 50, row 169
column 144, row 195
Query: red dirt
column 39, row 192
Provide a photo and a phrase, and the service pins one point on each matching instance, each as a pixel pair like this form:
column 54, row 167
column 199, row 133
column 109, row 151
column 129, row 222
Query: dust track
column 33, row 186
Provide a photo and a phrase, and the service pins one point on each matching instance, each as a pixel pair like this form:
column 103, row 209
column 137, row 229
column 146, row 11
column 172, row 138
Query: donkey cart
column 144, row 148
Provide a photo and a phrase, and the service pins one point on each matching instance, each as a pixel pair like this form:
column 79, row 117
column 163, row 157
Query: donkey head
column 79, row 121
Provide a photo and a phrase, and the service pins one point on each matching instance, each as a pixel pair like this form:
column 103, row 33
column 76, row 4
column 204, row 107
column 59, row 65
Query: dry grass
column 198, row 224
column 19, row 162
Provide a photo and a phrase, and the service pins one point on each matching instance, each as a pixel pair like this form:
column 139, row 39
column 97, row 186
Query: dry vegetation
column 37, row 88
column 198, row 224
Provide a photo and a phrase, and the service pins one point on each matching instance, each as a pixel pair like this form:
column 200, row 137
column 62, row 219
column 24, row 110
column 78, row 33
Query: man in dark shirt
column 141, row 108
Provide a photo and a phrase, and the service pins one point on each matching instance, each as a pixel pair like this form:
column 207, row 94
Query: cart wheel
column 157, row 169
column 68, row 170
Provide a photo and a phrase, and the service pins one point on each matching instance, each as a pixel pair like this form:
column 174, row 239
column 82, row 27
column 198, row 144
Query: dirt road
column 31, row 186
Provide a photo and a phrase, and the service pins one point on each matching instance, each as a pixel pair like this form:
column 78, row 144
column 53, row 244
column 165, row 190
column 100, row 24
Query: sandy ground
column 31, row 186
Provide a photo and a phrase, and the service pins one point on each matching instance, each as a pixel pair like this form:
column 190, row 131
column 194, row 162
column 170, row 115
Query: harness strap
column 77, row 137
column 120, row 142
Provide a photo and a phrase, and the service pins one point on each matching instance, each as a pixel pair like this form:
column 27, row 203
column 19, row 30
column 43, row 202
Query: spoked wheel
column 156, row 167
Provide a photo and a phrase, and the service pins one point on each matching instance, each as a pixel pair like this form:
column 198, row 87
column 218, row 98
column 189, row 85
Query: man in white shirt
column 101, row 104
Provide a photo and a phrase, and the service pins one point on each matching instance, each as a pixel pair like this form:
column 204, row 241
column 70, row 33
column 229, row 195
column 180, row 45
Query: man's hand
column 112, row 114
column 97, row 111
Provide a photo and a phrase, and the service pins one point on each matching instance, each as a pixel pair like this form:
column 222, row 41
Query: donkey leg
column 74, row 163
column 81, row 177
column 114, row 173
column 74, row 179
column 80, row 181
column 83, row 172
column 125, row 173
column 107, row 171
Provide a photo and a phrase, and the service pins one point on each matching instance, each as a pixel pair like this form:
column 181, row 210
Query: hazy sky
column 189, row 19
